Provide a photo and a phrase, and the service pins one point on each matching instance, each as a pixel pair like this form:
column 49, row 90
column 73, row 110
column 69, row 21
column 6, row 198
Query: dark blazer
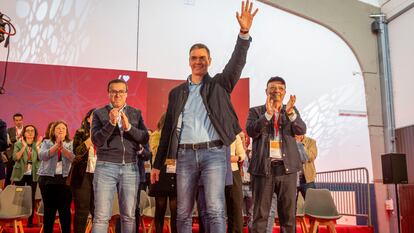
column 3, row 135
column 215, row 93
column 110, row 145
column 80, row 162
column 12, row 135
column 262, row 130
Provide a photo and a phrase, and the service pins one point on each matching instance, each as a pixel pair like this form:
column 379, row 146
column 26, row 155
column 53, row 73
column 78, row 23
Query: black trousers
column 263, row 187
column 84, row 203
column 234, row 204
column 28, row 180
column 56, row 196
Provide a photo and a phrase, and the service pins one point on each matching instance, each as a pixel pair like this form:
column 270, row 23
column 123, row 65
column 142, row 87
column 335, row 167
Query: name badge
column 171, row 166
column 275, row 149
column 147, row 166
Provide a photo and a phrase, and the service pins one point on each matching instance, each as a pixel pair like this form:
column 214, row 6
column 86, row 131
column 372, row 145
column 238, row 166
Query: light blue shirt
column 193, row 122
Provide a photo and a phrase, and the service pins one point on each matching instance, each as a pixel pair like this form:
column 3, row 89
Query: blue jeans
column 207, row 166
column 109, row 178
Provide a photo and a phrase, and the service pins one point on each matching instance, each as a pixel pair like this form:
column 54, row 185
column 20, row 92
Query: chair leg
column 143, row 225
column 167, row 222
column 88, row 226
column 151, row 226
column 313, row 226
column 60, row 226
column 20, row 225
column 15, row 226
column 303, row 225
column 331, row 227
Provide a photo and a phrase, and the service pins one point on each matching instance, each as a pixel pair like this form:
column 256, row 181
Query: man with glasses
column 117, row 132
column 275, row 156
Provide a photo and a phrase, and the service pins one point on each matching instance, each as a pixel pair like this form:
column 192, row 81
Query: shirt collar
column 190, row 83
column 122, row 108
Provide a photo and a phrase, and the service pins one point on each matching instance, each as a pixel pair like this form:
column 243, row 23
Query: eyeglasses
column 120, row 92
column 276, row 88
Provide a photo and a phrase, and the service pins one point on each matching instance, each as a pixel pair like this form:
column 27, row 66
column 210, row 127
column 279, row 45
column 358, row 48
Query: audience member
column 13, row 134
column 233, row 193
column 118, row 130
column 166, row 189
column 3, row 147
column 275, row 158
column 307, row 148
column 25, row 156
column 56, row 157
column 82, row 170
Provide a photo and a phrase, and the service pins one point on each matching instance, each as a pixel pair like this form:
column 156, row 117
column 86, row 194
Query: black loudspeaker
column 394, row 168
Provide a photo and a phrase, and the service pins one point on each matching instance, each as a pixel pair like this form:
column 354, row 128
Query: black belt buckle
column 276, row 163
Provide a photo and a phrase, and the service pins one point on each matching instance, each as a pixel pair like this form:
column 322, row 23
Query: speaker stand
column 398, row 207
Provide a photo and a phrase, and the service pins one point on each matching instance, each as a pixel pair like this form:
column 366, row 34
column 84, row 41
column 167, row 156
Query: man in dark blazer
column 14, row 134
column 275, row 157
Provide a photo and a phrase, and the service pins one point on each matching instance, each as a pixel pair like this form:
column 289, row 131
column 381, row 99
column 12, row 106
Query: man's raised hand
column 245, row 18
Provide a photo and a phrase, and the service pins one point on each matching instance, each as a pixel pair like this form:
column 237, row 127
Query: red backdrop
column 44, row 93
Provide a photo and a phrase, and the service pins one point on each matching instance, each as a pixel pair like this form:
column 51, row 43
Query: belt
column 201, row 145
column 277, row 162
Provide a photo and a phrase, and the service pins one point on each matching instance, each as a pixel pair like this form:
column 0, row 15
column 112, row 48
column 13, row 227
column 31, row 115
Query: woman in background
column 165, row 188
column 83, row 167
column 25, row 155
column 56, row 157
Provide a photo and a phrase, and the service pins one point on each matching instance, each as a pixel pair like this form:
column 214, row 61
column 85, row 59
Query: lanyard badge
column 275, row 148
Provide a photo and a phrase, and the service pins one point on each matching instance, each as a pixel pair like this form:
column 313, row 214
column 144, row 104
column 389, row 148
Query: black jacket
column 80, row 163
column 262, row 130
column 215, row 93
column 110, row 146
column 3, row 136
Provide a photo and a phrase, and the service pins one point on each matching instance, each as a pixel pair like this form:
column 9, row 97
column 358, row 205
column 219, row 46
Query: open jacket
column 81, row 152
column 19, row 167
column 114, row 146
column 262, row 131
column 215, row 93
column 311, row 150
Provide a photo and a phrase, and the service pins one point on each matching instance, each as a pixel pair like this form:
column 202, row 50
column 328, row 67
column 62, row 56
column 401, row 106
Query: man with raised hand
column 200, row 124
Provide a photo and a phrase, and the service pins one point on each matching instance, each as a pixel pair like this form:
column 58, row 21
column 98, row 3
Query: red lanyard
column 94, row 150
column 29, row 153
column 276, row 124
column 59, row 154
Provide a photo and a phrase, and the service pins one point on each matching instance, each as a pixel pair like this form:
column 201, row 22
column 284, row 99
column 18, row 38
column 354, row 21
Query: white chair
column 15, row 205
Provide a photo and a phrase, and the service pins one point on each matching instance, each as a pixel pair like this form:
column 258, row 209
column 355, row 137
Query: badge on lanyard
column 275, row 147
column 171, row 165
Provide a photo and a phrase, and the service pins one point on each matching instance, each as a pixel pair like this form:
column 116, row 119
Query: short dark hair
column 200, row 46
column 118, row 81
column 276, row 79
column 17, row 115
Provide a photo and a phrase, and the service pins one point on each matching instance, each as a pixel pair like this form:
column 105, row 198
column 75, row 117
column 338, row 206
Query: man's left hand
column 245, row 19
column 291, row 104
